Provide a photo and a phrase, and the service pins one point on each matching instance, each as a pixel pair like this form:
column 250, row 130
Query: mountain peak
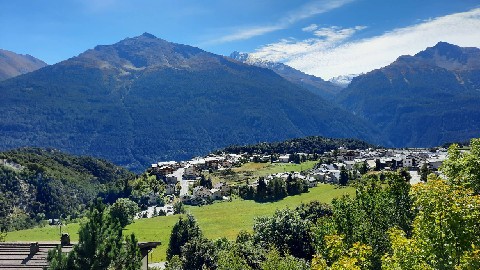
column 239, row 56
column 13, row 64
column 141, row 52
column 148, row 35
column 451, row 57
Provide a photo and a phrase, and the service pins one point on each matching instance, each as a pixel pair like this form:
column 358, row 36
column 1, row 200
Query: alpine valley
column 144, row 99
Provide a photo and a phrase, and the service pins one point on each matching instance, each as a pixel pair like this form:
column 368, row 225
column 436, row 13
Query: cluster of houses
column 200, row 194
column 179, row 176
column 379, row 159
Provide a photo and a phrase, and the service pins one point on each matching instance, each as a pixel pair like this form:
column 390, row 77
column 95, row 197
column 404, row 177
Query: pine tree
column 343, row 176
column 99, row 246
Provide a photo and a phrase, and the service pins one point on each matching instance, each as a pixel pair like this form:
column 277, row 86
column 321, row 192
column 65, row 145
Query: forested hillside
column 144, row 99
column 423, row 100
column 309, row 145
column 38, row 184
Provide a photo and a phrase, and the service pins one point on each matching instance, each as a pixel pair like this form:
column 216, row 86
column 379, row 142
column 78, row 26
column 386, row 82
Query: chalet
column 165, row 170
column 349, row 156
column 312, row 181
column 212, row 162
column 202, row 192
column 223, row 188
column 171, row 179
column 332, row 176
column 190, row 172
column 371, row 163
column 199, row 164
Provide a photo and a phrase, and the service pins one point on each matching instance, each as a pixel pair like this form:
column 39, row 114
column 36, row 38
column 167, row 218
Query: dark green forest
column 38, row 184
column 309, row 145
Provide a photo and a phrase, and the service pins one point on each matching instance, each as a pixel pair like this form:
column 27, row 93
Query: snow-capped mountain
column 343, row 80
column 312, row 83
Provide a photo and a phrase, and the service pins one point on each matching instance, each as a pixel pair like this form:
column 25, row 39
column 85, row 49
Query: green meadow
column 252, row 171
column 221, row 219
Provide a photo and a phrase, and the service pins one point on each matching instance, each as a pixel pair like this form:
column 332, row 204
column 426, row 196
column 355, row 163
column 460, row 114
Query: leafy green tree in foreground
column 124, row 210
column 199, row 253
column 100, row 245
column 446, row 230
column 183, row 231
column 275, row 261
column 377, row 207
column 463, row 168
column 286, row 231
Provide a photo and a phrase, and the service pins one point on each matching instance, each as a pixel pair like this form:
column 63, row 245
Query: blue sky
column 326, row 38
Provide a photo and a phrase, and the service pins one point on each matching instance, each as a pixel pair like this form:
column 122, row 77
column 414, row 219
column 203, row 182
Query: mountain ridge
column 316, row 85
column 166, row 101
column 13, row 64
column 427, row 98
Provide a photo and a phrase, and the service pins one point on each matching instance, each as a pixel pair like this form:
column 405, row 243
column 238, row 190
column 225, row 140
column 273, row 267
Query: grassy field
column 251, row 171
column 263, row 169
column 222, row 219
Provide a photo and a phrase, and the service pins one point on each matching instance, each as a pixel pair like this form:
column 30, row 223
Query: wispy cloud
column 331, row 51
column 323, row 39
column 247, row 33
column 306, row 11
column 310, row 28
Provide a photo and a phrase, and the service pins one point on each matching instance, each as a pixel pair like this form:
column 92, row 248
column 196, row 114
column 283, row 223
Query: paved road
column 184, row 183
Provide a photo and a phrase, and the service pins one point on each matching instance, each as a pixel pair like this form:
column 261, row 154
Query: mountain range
column 316, row 85
column 427, row 99
column 144, row 99
column 12, row 64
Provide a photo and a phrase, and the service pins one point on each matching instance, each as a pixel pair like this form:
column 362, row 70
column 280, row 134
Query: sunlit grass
column 222, row 219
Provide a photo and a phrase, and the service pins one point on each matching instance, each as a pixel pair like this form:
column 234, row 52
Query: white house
column 284, row 158
column 190, row 171
column 408, row 161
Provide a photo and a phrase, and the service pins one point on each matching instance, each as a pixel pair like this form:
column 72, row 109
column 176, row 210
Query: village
column 181, row 178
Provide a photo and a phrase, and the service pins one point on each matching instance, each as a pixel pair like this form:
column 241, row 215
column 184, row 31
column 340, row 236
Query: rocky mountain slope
column 12, row 64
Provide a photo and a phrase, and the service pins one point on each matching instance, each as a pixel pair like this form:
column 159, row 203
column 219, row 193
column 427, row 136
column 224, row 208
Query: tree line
column 273, row 189
column 309, row 145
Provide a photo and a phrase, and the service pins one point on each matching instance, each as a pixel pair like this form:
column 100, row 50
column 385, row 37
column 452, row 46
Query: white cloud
column 310, row 28
column 330, row 52
column 313, row 8
column 247, row 33
column 306, row 11
column 324, row 39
